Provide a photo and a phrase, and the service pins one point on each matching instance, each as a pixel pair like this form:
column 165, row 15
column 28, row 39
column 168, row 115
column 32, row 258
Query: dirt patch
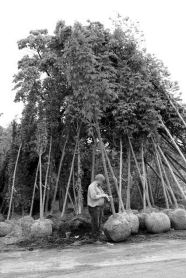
column 60, row 242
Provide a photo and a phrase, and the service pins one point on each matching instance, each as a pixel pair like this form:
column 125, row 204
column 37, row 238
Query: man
column 95, row 200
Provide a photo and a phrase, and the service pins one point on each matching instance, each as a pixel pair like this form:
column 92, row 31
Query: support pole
column 171, row 171
column 173, row 141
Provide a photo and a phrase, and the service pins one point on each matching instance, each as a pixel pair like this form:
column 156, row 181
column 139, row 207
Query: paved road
column 162, row 259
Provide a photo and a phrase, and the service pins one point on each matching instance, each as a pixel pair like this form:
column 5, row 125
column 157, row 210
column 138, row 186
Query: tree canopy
column 86, row 76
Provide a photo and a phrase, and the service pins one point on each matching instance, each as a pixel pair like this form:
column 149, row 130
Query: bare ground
column 142, row 255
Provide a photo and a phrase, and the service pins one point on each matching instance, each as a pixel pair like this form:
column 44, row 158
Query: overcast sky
column 162, row 21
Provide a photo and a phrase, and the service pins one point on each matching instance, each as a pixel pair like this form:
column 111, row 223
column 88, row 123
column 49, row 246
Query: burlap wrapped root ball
column 41, row 228
column 26, row 222
column 117, row 228
column 157, row 222
column 133, row 221
column 178, row 219
column 5, row 228
column 2, row 218
column 141, row 218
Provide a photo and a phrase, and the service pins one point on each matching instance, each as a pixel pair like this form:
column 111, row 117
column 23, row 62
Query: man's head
column 100, row 178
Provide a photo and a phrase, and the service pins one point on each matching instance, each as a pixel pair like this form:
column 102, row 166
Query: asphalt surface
column 161, row 258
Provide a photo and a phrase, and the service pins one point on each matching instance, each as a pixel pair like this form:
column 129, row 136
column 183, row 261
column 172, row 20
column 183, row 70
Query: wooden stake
column 177, row 173
column 168, row 183
column 179, row 115
column 173, row 141
column 172, row 173
column 13, row 182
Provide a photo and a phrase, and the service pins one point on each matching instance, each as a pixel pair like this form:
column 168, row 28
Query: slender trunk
column 138, row 169
column 173, row 141
column 145, row 190
column 168, row 184
column 143, row 180
column 172, row 173
column 40, row 186
column 150, row 193
column 161, row 176
column 105, row 169
column 129, row 182
column 58, row 176
column 13, row 183
column 70, row 176
column 120, row 174
column 47, row 200
column 114, row 178
column 46, row 176
column 168, row 195
column 80, row 196
column 72, row 203
column 93, row 162
column 34, row 189
column 74, row 190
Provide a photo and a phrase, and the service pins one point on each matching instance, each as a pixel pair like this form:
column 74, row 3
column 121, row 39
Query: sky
column 163, row 23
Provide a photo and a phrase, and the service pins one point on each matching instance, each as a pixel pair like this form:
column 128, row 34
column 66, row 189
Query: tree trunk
column 34, row 189
column 114, row 178
column 74, row 190
column 120, row 174
column 79, row 186
column 105, row 169
column 128, row 207
column 145, row 191
column 93, row 162
column 138, row 169
column 46, row 176
column 40, row 187
column 150, row 193
column 58, row 175
column 70, row 176
column 13, row 182
column 161, row 177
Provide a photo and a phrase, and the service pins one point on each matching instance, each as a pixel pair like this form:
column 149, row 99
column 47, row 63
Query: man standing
column 95, row 201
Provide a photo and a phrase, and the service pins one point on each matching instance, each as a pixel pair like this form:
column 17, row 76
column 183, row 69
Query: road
column 161, row 258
